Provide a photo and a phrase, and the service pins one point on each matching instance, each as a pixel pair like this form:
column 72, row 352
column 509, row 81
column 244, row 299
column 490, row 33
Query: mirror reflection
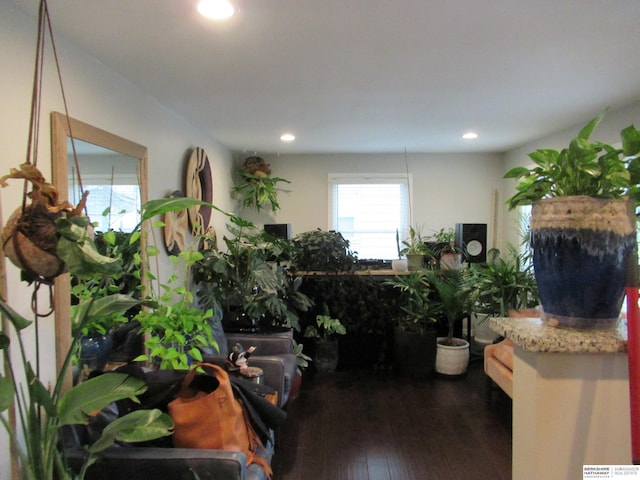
column 113, row 170
column 112, row 179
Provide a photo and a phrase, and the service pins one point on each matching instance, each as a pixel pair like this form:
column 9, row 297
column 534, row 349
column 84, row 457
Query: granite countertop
column 532, row 335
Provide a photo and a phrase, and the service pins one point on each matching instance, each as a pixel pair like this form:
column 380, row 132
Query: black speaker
column 472, row 237
column 279, row 230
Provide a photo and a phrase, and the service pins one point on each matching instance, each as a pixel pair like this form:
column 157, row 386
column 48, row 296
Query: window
column 368, row 210
column 123, row 197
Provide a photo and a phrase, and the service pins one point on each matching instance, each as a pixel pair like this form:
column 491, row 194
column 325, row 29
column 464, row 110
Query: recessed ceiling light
column 287, row 137
column 215, row 9
column 470, row 135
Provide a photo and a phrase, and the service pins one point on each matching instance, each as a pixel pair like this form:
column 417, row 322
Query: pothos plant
column 176, row 329
column 41, row 412
column 585, row 167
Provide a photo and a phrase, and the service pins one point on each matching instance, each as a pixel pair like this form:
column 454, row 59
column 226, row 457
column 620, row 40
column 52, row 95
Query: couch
column 158, row 459
column 144, row 463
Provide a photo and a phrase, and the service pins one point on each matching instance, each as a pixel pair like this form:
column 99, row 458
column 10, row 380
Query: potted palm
column 452, row 357
column 583, row 226
column 324, row 333
column 414, row 332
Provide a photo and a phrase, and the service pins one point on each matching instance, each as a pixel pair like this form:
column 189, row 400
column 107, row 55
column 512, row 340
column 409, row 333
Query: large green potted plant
column 503, row 283
column 583, row 226
column 452, row 299
column 42, row 412
column 249, row 283
column 325, row 251
column 415, row 332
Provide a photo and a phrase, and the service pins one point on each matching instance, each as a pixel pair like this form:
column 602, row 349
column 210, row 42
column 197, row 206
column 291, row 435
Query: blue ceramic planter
column 95, row 351
column 579, row 252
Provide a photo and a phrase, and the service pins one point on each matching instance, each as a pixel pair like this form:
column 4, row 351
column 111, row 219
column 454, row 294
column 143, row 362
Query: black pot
column 326, row 357
column 415, row 353
column 579, row 263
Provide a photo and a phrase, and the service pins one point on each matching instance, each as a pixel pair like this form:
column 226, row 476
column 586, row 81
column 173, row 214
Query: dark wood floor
column 368, row 425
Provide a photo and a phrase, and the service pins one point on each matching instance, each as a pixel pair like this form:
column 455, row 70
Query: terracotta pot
column 580, row 245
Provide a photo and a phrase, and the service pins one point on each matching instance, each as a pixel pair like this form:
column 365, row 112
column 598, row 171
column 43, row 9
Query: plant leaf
column 7, row 393
column 137, row 426
column 95, row 394
column 17, row 320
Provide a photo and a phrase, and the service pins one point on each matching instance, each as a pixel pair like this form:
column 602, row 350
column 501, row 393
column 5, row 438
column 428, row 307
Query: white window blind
column 368, row 210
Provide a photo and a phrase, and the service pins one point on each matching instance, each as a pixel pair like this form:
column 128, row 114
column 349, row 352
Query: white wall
column 447, row 188
column 100, row 97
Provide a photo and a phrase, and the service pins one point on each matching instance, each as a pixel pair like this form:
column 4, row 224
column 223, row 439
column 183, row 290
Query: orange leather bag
column 214, row 420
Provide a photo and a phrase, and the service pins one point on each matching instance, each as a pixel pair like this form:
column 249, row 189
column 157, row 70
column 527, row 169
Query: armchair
column 273, row 354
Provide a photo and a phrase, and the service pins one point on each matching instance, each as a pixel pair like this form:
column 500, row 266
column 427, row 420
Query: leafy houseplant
column 177, row 330
column 256, row 189
column 324, row 334
column 415, row 249
column 326, row 251
column 41, row 412
column 96, row 334
column 416, row 302
column 573, row 191
column 326, row 329
column 501, row 284
column 248, row 283
column 415, row 330
column 443, row 248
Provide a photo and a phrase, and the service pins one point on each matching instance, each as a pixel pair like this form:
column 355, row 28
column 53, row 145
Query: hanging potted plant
column 414, row 332
column 257, row 189
column 583, row 226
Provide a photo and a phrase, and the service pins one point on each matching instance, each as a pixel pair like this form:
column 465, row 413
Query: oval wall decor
column 176, row 225
column 199, row 185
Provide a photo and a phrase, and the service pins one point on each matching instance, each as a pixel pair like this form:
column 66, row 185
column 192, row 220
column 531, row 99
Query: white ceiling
column 369, row 75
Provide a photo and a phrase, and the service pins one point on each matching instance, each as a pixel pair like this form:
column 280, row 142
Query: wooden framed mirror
column 119, row 160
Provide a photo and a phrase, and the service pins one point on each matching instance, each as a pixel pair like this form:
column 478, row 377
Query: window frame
column 391, row 178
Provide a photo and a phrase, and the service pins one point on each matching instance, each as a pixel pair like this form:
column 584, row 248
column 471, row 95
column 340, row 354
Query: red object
column 633, row 349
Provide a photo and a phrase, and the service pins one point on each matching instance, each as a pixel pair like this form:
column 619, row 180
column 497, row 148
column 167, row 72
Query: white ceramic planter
column 452, row 360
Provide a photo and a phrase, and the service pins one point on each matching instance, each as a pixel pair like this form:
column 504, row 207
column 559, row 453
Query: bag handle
column 219, row 374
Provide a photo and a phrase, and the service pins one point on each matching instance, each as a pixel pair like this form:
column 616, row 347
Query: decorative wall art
column 176, row 226
column 199, row 185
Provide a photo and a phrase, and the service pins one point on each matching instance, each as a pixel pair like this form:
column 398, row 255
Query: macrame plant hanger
column 27, row 219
